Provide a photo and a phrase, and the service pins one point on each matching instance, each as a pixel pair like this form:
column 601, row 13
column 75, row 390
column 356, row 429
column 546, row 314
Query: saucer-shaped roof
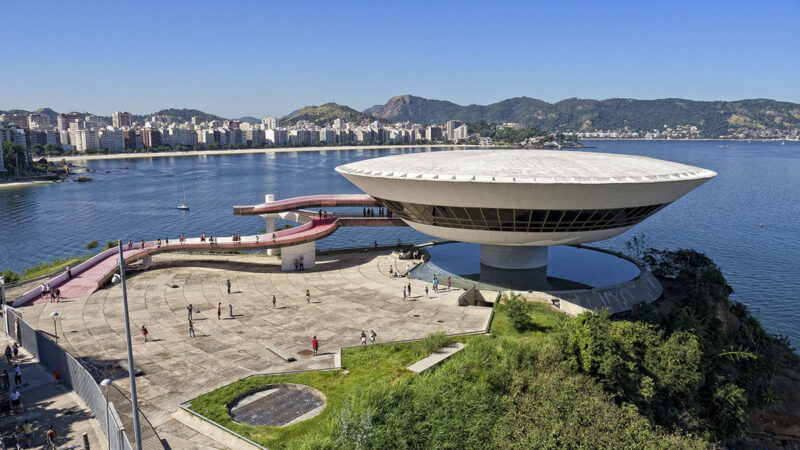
column 525, row 166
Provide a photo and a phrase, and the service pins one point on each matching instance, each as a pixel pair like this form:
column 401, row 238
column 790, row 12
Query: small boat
column 184, row 206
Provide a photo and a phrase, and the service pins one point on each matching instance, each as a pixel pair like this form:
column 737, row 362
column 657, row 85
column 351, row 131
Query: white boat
column 184, row 206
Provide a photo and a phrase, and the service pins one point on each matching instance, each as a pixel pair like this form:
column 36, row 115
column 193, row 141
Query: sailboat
column 184, row 206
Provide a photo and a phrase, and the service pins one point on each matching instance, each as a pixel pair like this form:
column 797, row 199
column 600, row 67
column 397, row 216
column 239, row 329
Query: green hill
column 713, row 118
column 180, row 115
column 325, row 114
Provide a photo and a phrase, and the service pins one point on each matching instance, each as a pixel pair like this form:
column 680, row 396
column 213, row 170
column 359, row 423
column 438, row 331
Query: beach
column 245, row 151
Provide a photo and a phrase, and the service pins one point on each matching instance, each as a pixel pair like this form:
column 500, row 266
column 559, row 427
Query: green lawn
column 46, row 267
column 365, row 365
column 544, row 317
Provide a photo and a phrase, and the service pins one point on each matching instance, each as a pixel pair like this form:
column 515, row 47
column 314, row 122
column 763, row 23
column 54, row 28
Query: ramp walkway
column 92, row 274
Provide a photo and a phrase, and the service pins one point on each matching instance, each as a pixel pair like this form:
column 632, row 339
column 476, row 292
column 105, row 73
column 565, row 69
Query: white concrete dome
column 523, row 197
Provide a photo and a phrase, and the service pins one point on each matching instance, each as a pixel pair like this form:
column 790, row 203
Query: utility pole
column 131, row 368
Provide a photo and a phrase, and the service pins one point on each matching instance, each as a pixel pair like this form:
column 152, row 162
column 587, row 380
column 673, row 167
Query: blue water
column 584, row 266
column 757, row 183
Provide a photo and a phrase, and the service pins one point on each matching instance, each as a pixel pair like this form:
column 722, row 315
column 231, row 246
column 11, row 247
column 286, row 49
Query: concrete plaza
column 350, row 292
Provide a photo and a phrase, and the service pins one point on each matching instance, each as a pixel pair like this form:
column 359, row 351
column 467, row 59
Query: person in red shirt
column 315, row 345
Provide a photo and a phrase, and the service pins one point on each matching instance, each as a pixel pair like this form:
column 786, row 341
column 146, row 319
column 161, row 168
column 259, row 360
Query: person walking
column 308, row 296
column 130, row 244
column 426, row 293
column 274, row 301
column 315, row 345
column 409, row 291
column 219, row 311
column 27, row 428
column 69, row 273
column 189, row 311
column 51, row 438
column 404, row 293
column 228, row 285
column 191, row 328
column 15, row 350
column 363, row 338
column 372, row 336
column 144, row 332
column 8, row 353
column 17, row 375
column 448, row 284
column 15, row 400
column 142, row 243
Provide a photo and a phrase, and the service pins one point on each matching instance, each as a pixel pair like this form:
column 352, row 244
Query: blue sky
column 257, row 58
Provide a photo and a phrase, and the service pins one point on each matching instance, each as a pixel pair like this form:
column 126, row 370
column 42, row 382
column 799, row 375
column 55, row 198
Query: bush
column 10, row 277
column 433, row 342
column 519, row 310
column 92, row 245
column 110, row 244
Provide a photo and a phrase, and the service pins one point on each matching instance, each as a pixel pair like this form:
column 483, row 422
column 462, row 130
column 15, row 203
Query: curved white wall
column 516, row 238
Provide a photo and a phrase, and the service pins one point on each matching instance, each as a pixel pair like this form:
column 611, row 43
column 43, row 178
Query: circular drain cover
column 278, row 405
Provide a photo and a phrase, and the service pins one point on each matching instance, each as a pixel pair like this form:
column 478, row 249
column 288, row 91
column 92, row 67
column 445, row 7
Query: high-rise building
column 178, row 136
column 18, row 120
column 112, row 139
column 433, row 133
column 451, row 126
column 84, row 139
column 461, row 133
column 151, row 137
column 276, row 136
column 270, row 123
column 121, row 119
column 338, row 123
column 63, row 120
column 196, row 120
column 38, row 121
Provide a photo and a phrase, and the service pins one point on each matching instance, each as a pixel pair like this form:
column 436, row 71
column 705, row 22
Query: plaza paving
column 349, row 293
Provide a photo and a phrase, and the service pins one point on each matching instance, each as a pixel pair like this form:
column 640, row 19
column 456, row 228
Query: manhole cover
column 305, row 352
column 278, row 405
column 440, row 321
column 415, row 315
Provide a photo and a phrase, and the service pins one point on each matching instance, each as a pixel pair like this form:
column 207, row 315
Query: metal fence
column 72, row 374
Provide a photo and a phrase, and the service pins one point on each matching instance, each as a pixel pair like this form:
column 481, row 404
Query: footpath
column 46, row 402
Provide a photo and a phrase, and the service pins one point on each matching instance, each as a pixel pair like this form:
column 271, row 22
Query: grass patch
column 544, row 319
column 43, row 268
column 368, row 364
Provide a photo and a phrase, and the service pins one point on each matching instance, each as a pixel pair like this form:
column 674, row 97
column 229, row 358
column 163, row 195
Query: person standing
column 130, row 244
column 315, row 345
column 372, row 336
column 191, row 328
column 426, row 292
column 363, row 338
column 189, row 311
column 69, row 273
column 308, row 296
column 296, row 264
column 144, row 332
column 8, row 353
column 15, row 350
column 219, row 311
column 448, row 284
column 301, row 263
column 274, row 301
column 17, row 375
column 51, row 438
column 228, row 285
column 404, row 293
column 409, row 291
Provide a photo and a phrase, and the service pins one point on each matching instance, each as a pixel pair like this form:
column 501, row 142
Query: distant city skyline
column 261, row 59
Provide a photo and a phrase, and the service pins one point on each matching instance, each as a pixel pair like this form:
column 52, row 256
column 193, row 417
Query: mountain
column 180, row 115
column 372, row 109
column 713, row 118
column 249, row 119
column 325, row 114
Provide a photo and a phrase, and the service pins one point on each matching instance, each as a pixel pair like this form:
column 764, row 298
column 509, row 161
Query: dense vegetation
column 500, row 134
column 714, row 118
column 325, row 115
column 683, row 373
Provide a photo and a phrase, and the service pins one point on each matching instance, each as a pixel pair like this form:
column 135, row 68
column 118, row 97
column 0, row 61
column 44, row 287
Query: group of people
column 371, row 212
column 53, row 293
column 372, row 336
column 23, row 433
column 298, row 263
column 203, row 238
column 324, row 214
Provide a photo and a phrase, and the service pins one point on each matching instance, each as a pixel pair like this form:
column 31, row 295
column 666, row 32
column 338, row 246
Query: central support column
column 268, row 198
column 511, row 265
column 513, row 257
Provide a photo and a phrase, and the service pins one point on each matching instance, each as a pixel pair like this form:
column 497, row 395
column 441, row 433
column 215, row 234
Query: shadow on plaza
column 325, row 263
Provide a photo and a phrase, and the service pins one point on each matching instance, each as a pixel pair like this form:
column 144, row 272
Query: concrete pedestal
column 513, row 257
column 288, row 254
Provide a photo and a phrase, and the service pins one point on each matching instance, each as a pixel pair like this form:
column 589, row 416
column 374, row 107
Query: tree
column 15, row 158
